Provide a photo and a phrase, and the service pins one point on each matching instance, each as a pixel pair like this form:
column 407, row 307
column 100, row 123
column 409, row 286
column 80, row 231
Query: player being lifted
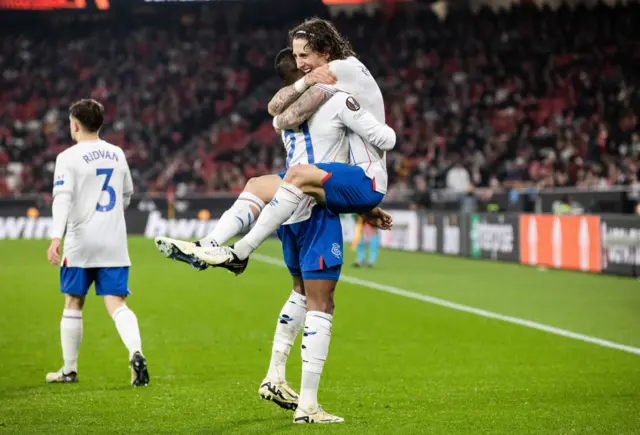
column 318, row 47
column 344, row 189
column 314, row 252
column 312, row 246
column 92, row 187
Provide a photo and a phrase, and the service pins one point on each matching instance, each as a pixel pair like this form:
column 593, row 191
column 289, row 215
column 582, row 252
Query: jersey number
column 106, row 188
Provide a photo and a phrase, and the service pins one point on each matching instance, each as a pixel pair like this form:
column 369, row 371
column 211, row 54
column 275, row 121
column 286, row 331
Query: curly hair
column 322, row 37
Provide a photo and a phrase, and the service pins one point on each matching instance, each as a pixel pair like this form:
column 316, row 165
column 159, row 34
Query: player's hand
column 378, row 218
column 322, row 74
column 53, row 253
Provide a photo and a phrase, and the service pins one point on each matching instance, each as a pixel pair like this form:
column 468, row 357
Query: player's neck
column 86, row 137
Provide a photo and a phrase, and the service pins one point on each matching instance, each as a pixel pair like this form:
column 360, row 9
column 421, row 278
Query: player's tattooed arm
column 287, row 95
column 282, row 99
column 302, row 108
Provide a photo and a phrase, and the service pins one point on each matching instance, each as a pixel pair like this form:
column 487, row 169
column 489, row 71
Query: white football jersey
column 97, row 176
column 320, row 139
column 326, row 136
column 355, row 79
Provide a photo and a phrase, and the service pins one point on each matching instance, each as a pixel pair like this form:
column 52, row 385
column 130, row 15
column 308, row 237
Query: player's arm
column 287, row 95
column 337, row 75
column 302, row 108
column 63, row 182
column 283, row 99
column 127, row 191
column 365, row 125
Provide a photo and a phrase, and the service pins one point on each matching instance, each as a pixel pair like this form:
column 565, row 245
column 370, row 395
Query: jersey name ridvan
column 99, row 154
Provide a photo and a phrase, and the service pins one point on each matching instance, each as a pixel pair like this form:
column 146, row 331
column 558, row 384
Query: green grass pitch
column 396, row 365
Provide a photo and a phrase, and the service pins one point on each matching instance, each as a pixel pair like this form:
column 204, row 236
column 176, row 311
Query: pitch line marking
column 467, row 309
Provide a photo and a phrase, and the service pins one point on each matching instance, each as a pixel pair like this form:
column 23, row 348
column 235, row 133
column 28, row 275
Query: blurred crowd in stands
column 524, row 98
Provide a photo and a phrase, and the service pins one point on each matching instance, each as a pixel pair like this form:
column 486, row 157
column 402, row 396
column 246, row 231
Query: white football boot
column 60, row 377
column 318, row 415
column 279, row 393
column 221, row 256
column 180, row 250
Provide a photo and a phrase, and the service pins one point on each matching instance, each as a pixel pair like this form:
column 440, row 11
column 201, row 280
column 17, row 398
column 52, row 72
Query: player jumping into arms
column 92, row 187
column 313, row 255
column 317, row 46
column 312, row 248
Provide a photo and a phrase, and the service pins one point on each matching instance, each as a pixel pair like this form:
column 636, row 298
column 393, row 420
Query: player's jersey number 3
column 107, row 172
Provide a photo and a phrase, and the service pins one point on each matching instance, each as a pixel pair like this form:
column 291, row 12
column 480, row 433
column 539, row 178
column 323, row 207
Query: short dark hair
column 285, row 65
column 323, row 37
column 89, row 113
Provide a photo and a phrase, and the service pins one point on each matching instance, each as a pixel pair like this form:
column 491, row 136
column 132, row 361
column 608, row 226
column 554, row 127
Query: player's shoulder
column 67, row 154
column 114, row 148
column 345, row 99
column 110, row 145
column 342, row 64
column 351, row 63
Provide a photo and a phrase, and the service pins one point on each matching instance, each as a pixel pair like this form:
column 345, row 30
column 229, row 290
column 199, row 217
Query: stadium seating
column 508, row 95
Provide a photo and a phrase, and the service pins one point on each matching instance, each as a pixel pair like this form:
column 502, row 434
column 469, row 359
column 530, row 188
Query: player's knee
column 254, row 186
column 298, row 285
column 307, row 178
column 112, row 303
column 251, row 184
column 72, row 302
column 324, row 304
column 263, row 187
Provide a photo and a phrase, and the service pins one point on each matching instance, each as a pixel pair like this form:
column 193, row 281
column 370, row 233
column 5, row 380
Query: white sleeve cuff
column 300, row 86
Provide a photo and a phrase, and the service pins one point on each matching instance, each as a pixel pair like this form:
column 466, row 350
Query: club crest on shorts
column 336, row 251
column 352, row 104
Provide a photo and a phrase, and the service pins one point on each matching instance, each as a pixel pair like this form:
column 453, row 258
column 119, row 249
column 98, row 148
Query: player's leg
column 374, row 243
column 321, row 263
column 274, row 386
column 242, row 214
column 361, row 253
column 285, row 202
column 74, row 283
column 112, row 283
column 344, row 188
column 315, row 347
column 283, row 205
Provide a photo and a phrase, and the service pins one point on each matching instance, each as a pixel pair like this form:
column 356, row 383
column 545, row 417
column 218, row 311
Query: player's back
column 354, row 78
column 97, row 175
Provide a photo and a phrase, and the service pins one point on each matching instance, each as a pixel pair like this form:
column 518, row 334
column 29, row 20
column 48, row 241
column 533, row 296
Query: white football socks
column 315, row 348
column 289, row 324
column 284, row 204
column 238, row 218
column 127, row 326
column 70, row 337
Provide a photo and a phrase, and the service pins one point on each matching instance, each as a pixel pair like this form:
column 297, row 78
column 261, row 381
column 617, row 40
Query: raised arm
column 302, row 108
